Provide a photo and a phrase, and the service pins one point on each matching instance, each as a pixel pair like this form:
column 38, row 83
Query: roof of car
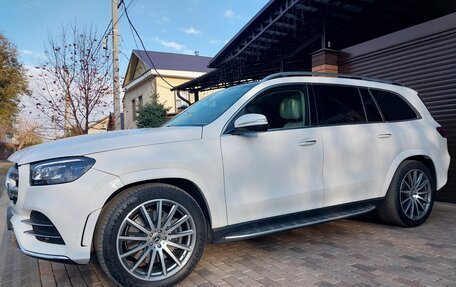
column 331, row 75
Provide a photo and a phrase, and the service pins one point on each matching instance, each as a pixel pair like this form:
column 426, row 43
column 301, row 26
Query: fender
column 217, row 213
column 396, row 162
column 213, row 197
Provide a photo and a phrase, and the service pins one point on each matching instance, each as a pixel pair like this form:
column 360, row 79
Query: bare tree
column 26, row 133
column 74, row 80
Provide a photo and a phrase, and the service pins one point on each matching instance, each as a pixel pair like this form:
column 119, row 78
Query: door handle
column 383, row 136
column 307, row 142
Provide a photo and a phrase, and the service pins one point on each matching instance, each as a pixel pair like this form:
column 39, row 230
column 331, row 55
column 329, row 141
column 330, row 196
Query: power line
column 137, row 48
column 125, row 55
column 134, row 37
column 105, row 33
column 123, row 45
column 142, row 44
column 102, row 37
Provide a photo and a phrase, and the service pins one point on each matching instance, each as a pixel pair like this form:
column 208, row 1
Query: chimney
column 325, row 61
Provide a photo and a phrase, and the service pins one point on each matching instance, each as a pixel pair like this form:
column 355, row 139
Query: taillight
column 441, row 131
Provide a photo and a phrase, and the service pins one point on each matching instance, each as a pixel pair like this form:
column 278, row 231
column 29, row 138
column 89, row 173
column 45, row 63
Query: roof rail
column 345, row 76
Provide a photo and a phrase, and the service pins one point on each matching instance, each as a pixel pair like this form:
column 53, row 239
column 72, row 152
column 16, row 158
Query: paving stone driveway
column 358, row 252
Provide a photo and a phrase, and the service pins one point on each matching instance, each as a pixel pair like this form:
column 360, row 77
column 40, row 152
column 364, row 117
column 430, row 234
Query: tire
column 410, row 196
column 128, row 236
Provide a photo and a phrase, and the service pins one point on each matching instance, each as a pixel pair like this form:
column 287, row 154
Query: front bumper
column 55, row 258
column 72, row 208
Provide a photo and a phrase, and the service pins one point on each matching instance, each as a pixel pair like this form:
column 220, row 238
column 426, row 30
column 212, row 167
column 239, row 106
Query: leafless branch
column 75, row 82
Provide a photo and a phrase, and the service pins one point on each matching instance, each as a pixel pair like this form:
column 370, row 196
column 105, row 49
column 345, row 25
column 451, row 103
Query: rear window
column 372, row 113
column 393, row 107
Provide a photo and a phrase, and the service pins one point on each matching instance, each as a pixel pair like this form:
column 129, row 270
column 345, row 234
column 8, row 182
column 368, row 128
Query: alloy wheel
column 156, row 239
column 415, row 194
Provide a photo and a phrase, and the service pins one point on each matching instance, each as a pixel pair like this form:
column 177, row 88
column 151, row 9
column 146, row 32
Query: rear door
column 351, row 160
column 398, row 132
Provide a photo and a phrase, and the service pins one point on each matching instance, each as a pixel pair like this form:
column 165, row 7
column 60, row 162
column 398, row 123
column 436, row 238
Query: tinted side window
column 372, row 112
column 284, row 107
column 338, row 105
column 393, row 107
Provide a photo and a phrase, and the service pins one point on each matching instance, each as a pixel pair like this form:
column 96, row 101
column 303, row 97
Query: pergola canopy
column 284, row 33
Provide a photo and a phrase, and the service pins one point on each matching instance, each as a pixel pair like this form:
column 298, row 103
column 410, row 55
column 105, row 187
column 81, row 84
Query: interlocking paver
column 345, row 253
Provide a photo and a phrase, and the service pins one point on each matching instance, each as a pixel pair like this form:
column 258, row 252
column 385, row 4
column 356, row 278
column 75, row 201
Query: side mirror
column 250, row 123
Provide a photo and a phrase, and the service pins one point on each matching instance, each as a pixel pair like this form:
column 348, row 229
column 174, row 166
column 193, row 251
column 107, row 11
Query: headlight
column 59, row 170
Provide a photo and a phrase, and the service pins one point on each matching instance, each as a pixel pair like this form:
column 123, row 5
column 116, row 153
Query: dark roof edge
column 170, row 53
column 128, row 67
column 137, row 54
column 418, row 31
column 195, row 80
column 246, row 26
column 147, row 57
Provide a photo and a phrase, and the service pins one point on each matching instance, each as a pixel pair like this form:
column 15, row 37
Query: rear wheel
column 150, row 235
column 410, row 197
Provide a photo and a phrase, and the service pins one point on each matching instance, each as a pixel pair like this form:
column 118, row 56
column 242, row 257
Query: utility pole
column 115, row 65
column 66, row 123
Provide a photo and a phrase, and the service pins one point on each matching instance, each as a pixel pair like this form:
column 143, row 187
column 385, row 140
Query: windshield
column 210, row 108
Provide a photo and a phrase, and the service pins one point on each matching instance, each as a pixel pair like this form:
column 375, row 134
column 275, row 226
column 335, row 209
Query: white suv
column 289, row 151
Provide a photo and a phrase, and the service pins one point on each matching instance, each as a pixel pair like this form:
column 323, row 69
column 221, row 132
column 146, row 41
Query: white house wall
column 146, row 89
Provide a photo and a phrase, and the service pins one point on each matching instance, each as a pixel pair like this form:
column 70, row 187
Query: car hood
column 100, row 142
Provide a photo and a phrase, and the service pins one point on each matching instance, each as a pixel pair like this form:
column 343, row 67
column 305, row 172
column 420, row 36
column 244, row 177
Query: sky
column 178, row 26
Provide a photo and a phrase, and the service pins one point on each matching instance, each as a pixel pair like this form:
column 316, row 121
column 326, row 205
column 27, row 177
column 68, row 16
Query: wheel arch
column 186, row 185
column 415, row 154
column 427, row 161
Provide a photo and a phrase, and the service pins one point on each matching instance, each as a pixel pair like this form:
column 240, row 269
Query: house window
column 140, row 101
column 180, row 103
column 133, row 109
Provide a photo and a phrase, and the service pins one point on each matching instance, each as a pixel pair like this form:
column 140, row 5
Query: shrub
column 151, row 115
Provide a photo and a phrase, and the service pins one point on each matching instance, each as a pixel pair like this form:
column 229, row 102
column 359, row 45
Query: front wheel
column 150, row 235
column 410, row 196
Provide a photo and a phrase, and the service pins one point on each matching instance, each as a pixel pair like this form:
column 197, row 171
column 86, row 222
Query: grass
column 4, row 166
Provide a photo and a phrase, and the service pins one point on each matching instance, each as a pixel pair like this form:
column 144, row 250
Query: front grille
column 12, row 183
column 43, row 229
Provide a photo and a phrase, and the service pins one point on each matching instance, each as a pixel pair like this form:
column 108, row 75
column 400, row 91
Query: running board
column 297, row 223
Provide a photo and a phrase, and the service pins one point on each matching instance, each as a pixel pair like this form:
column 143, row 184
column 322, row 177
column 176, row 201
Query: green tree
column 151, row 115
column 13, row 81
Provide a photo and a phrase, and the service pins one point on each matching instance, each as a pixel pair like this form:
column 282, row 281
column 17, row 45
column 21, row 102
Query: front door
column 276, row 172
